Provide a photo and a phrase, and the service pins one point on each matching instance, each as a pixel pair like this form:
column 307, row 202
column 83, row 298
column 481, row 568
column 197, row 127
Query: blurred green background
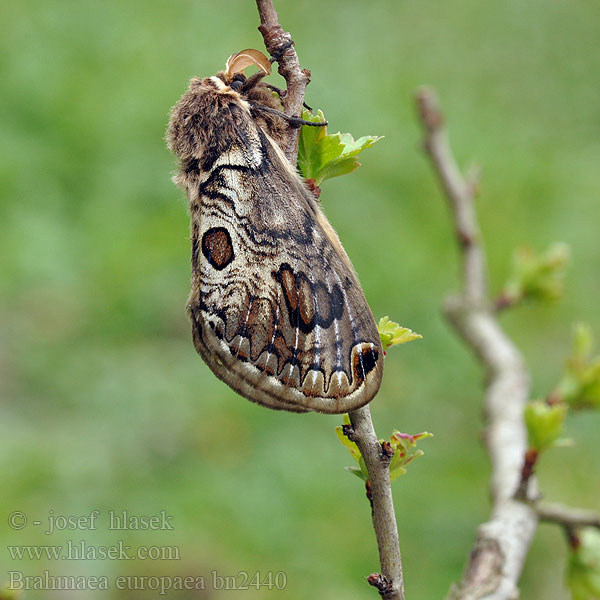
column 104, row 403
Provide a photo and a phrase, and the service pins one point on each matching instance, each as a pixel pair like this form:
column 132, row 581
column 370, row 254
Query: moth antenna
column 277, row 90
column 252, row 81
column 293, row 121
column 282, row 93
column 275, row 57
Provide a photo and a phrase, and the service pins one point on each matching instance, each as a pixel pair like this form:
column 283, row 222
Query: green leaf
column 583, row 568
column 544, row 423
column 403, row 444
column 405, row 451
column 352, row 447
column 322, row 156
column 363, row 468
column 392, row 334
column 397, row 471
column 356, row 471
column 579, row 386
column 583, row 341
column 537, row 276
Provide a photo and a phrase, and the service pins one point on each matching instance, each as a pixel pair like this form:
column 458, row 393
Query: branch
column 501, row 545
column 567, row 516
column 279, row 44
column 460, row 193
column 390, row 582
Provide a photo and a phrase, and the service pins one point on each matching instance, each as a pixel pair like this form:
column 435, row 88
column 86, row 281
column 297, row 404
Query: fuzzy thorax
column 209, row 118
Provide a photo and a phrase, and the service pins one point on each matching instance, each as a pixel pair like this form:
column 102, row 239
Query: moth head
column 202, row 117
column 232, row 81
column 254, row 90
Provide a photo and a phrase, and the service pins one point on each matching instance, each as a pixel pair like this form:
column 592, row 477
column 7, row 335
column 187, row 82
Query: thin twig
column 390, row 581
column 460, row 193
column 501, row 545
column 279, row 44
column 567, row 516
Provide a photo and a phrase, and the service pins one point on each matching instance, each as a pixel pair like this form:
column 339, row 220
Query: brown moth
column 276, row 308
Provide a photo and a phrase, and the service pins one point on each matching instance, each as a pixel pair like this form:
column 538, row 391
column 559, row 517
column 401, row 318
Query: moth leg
column 293, row 121
column 282, row 93
column 251, row 82
column 275, row 57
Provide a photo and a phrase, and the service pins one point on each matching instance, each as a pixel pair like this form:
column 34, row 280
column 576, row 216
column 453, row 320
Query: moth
column 276, row 308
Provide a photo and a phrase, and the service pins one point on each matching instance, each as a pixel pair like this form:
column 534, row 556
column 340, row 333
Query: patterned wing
column 277, row 310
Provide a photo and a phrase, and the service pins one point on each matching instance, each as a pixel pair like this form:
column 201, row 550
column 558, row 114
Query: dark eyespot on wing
column 217, row 247
column 306, row 302
column 288, row 281
column 298, row 297
column 337, row 302
column 364, row 360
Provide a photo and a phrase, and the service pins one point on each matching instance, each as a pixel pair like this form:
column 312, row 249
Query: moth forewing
column 276, row 308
